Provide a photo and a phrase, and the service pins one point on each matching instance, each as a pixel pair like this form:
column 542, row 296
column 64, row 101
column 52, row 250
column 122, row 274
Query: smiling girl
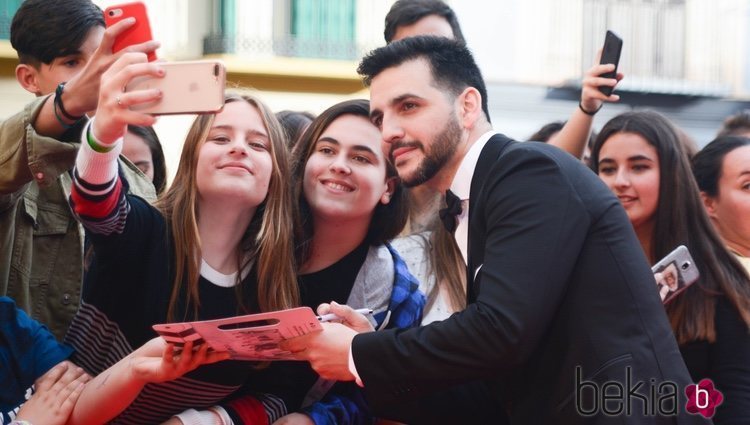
column 639, row 156
column 219, row 243
column 351, row 205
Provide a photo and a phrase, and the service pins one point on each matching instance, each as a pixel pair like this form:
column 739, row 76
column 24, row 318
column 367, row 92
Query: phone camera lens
column 216, row 70
column 111, row 13
column 685, row 265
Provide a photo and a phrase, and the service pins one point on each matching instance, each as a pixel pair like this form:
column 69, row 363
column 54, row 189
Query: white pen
column 331, row 317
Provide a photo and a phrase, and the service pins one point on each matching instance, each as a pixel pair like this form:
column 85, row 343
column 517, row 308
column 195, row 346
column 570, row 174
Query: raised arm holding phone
column 221, row 226
column 38, row 148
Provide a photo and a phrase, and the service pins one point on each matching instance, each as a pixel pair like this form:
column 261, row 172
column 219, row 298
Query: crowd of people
column 501, row 274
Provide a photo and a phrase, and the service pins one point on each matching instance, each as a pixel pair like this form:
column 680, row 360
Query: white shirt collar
column 461, row 185
column 220, row 279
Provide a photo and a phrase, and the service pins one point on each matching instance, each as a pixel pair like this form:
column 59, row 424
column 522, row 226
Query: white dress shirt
column 461, row 186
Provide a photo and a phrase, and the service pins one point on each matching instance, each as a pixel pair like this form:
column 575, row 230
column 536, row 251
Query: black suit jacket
column 563, row 288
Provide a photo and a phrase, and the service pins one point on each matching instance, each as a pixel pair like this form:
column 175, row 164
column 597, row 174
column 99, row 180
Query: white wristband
column 195, row 417
column 223, row 415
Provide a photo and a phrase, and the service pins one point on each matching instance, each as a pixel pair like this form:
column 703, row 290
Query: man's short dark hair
column 407, row 12
column 452, row 65
column 43, row 30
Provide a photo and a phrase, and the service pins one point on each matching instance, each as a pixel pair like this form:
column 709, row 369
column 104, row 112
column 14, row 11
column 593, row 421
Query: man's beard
column 441, row 151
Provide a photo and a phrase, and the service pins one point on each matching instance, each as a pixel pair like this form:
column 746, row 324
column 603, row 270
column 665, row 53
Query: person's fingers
column 65, row 393
column 600, row 81
column 324, row 308
column 185, row 355
column 597, row 70
column 111, row 33
column 52, row 376
column 134, row 98
column 71, row 374
column 112, row 79
column 217, row 356
column 603, row 67
column 168, row 354
column 145, row 47
column 198, row 357
column 136, row 118
column 72, row 398
column 296, row 344
column 349, row 315
column 138, row 67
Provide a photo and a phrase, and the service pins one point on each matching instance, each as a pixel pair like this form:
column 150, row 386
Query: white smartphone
column 678, row 271
column 190, row 87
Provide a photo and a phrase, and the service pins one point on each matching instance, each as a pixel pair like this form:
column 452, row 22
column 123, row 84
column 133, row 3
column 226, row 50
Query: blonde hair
column 268, row 240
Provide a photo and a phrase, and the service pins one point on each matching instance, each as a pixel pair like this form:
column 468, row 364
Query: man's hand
column 328, row 351
column 348, row 316
column 82, row 91
column 156, row 361
column 56, row 394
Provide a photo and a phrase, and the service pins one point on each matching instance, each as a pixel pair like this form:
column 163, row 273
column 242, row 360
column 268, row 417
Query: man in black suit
column 562, row 309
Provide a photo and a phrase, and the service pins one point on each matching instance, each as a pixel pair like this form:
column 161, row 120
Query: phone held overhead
column 610, row 54
column 139, row 33
column 189, row 87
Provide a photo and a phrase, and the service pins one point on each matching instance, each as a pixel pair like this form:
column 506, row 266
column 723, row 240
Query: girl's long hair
column 680, row 219
column 268, row 240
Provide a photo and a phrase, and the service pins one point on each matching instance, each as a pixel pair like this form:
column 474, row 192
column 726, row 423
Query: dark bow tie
column 449, row 215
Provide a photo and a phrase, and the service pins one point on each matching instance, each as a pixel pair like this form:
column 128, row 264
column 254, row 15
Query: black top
column 292, row 380
column 335, row 282
column 726, row 362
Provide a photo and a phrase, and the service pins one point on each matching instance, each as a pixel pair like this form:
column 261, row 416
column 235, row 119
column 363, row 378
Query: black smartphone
column 610, row 54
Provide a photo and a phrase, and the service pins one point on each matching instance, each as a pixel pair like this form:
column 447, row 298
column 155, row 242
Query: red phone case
column 140, row 32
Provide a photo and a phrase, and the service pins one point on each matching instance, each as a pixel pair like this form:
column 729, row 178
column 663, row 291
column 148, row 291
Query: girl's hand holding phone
column 113, row 113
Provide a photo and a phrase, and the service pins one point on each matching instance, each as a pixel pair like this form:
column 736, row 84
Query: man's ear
column 27, row 77
column 470, row 107
column 709, row 203
column 390, row 183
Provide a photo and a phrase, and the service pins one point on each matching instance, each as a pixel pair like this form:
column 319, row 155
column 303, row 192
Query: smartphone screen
column 139, row 33
column 610, row 54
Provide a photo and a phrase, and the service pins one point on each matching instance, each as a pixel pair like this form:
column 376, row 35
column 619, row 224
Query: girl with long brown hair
column 640, row 157
column 218, row 243
column 351, row 205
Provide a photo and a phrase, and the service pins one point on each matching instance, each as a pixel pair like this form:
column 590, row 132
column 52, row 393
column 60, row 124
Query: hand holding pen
column 331, row 317
column 355, row 319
